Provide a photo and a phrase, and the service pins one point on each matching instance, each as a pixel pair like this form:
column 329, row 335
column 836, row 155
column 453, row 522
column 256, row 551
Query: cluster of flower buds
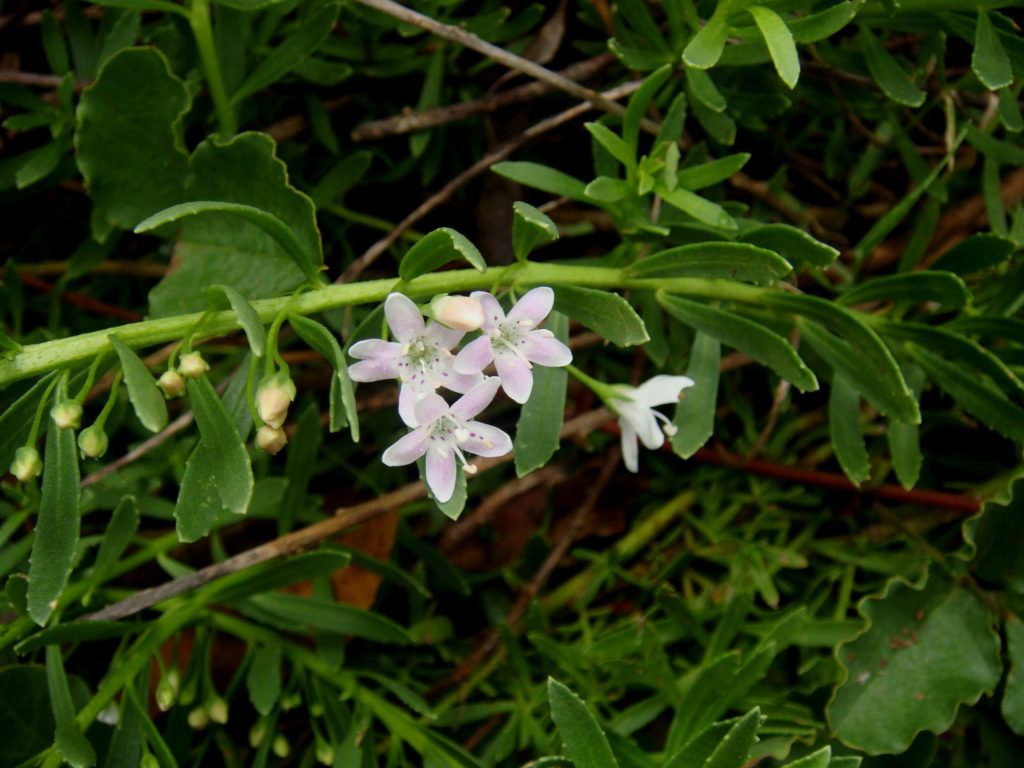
column 273, row 399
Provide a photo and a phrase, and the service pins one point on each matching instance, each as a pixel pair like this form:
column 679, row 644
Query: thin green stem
column 605, row 391
column 202, row 29
column 90, row 379
column 37, row 420
column 111, row 399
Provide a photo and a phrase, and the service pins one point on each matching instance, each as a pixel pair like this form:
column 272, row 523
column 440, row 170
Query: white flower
column 637, row 417
column 463, row 313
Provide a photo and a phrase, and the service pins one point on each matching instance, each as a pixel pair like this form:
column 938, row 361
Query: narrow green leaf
column 818, row 26
column 345, row 174
column 765, row 346
column 264, row 677
column 530, row 226
column 612, row 142
column 120, row 530
column 585, row 742
column 78, row 632
column 705, row 49
column 780, row 43
column 58, row 522
column 274, row 575
column 701, row 209
column 844, row 428
column 605, row 189
column 71, row 744
column 792, row 244
column 246, row 314
column 989, row 60
column 436, row 249
column 540, row 419
column 637, row 107
column 818, row 759
column 300, row 465
column 332, row 617
column 894, row 82
column 707, row 174
column 267, row 222
column 723, row 259
column 1013, row 696
column 672, row 124
column 905, row 447
column 703, row 90
column 342, row 393
column 603, row 312
column 147, row 400
column 734, row 749
column 543, row 178
column 942, row 287
column 976, row 253
column 16, row 421
column 1009, row 111
column 695, row 415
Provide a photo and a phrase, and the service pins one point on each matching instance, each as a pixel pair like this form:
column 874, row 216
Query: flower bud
column 218, row 710
column 92, row 442
column 463, row 313
column 198, row 719
column 273, row 399
column 149, row 761
column 256, row 734
column 67, row 415
column 324, row 753
column 271, row 439
column 192, row 365
column 26, row 464
column 165, row 694
column 281, row 746
column 171, row 384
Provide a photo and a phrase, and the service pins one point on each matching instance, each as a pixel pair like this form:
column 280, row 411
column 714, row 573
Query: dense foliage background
column 812, row 209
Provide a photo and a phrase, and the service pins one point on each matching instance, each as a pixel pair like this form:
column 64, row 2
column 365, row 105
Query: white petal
column 475, row 356
column 406, row 449
column 485, row 440
column 407, row 405
column 430, row 408
column 661, row 390
column 546, row 351
column 375, row 349
column 478, row 398
column 516, row 376
column 629, row 446
column 441, row 473
column 373, row 370
column 404, row 317
column 493, row 313
column 462, row 382
column 534, row 306
column 445, row 338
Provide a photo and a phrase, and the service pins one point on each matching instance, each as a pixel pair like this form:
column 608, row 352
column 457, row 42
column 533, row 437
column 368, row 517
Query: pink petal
column 493, row 313
column 404, row 317
column 475, row 356
column 444, row 337
column 373, row 370
column 534, row 306
column 629, row 446
column 544, row 350
column 462, row 382
column 478, row 398
column 485, row 440
column 407, row 405
column 441, row 473
column 406, row 449
column 516, row 377
column 429, row 408
column 375, row 349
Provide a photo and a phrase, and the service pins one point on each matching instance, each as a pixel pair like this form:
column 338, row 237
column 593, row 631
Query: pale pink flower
column 420, row 357
column 637, row 417
column 514, row 343
column 448, row 433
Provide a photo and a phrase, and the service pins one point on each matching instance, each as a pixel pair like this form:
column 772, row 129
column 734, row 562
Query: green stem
column 111, row 399
column 202, row 29
column 605, row 391
column 39, row 358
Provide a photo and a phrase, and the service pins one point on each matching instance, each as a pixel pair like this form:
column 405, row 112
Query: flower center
column 422, row 363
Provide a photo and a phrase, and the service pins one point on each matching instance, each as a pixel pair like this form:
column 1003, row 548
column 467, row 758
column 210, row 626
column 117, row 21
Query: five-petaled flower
column 447, row 433
column 637, row 417
column 514, row 342
column 420, row 357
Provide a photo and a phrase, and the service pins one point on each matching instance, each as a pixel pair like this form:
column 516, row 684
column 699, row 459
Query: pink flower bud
column 271, row 439
column 463, row 313
column 273, row 399
column 193, row 365
column 171, row 384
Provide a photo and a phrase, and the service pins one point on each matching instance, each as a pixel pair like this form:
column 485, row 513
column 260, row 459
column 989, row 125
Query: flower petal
column 476, row 399
column 443, row 337
column 493, row 313
column 641, row 420
column 544, row 350
column 407, row 405
column 404, row 317
column 462, row 382
column 485, row 440
column 375, row 349
column 406, row 449
column 534, row 306
column 475, row 356
column 661, row 390
column 429, row 408
column 629, row 446
column 441, row 473
column 373, row 370
column 516, row 376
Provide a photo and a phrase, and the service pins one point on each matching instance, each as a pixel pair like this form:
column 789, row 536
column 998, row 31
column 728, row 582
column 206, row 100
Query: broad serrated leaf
column 437, row 249
column 730, row 261
column 247, row 316
column 844, row 429
column 530, row 226
column 894, row 82
column 264, row 677
column 780, row 43
column 342, row 394
column 694, row 418
column 925, row 652
column 58, row 522
column 73, row 747
column 328, row 616
column 146, row 398
column 585, row 743
column 989, row 60
column 543, row 178
column 605, row 313
column 540, row 419
column 944, row 288
column 996, row 561
column 765, row 346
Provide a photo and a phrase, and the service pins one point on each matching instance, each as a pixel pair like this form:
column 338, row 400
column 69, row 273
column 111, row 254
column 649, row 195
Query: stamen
column 545, row 333
column 470, row 469
column 406, row 347
column 525, row 323
column 461, row 434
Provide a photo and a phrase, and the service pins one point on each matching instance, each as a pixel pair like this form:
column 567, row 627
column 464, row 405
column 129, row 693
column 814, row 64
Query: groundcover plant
column 469, row 383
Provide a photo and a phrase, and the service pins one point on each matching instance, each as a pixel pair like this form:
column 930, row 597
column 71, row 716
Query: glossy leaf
column 792, row 244
column 585, row 742
column 543, row 178
column 989, row 60
column 704, row 91
column 780, row 43
column 73, row 747
column 540, row 419
column 894, row 82
column 694, row 418
column 729, row 261
column 264, row 677
column 247, row 316
column 147, row 400
column 845, row 430
column 342, row 393
column 530, row 227
column 765, row 346
column 437, row 249
column 335, row 618
column 945, row 288
column 605, row 313
column 819, row 759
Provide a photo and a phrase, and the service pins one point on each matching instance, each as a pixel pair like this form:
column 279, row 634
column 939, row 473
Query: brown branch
column 36, row 80
column 81, row 300
column 112, row 267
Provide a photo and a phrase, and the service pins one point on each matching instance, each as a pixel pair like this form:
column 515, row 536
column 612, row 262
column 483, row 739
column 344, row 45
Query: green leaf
column 894, row 82
column 274, row 575
column 26, row 720
column 298, row 45
column 701, row 209
column 16, row 422
column 264, row 677
column 453, row 508
column 976, row 253
column 345, row 174
column 989, row 60
column 729, row 261
column 436, row 249
column 765, row 346
column 818, row 759
column 613, row 143
column 57, row 525
column 1009, row 111
column 222, row 477
column 147, row 400
column 1013, row 696
column 944, row 288
column 605, row 189
column 734, row 749
column 128, row 142
column 707, row 174
column 585, row 742
column 702, row 90
column 859, row 354
column 342, row 393
column 246, row 314
column 904, row 439
column 780, row 43
column 845, row 431
column 792, row 244
column 530, row 226
column 540, row 420
column 332, row 617
column 925, row 652
column 77, row 632
column 695, row 415
column 637, row 107
column 120, row 530
column 71, row 744
column 818, row 26
column 225, row 249
column 605, row 313
column 705, row 49
column 543, row 178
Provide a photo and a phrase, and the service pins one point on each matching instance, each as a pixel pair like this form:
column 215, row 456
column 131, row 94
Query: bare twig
column 36, row 80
